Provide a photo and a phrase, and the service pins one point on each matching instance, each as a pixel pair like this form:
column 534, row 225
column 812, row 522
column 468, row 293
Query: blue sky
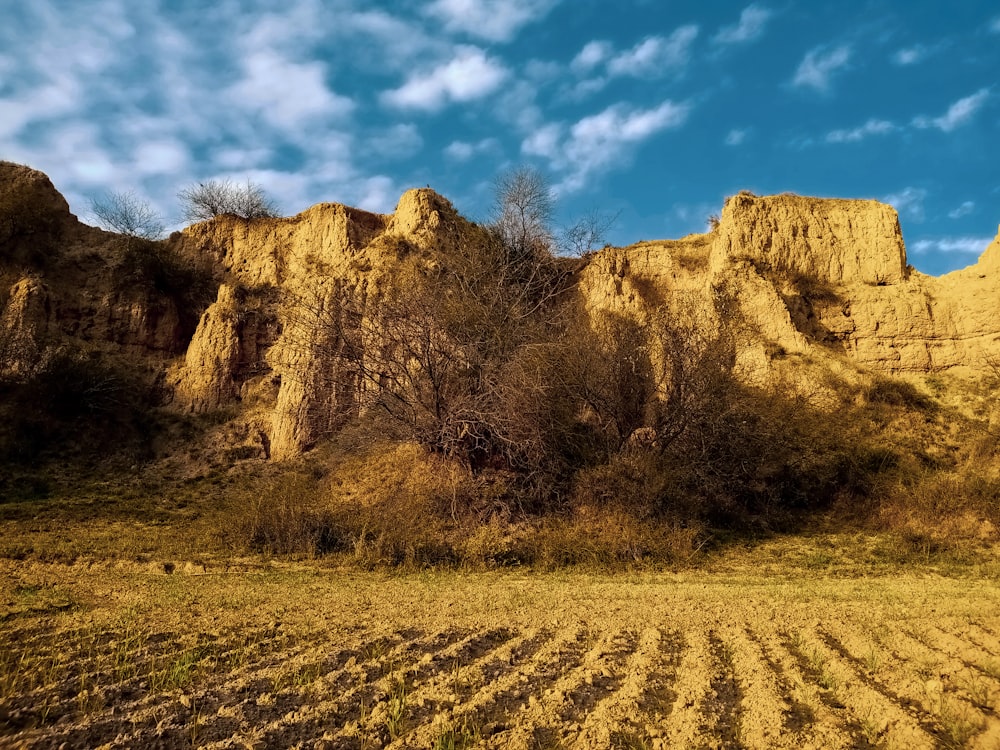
column 655, row 110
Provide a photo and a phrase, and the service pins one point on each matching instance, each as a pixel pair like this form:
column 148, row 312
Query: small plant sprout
column 873, row 659
column 959, row 724
column 457, row 737
column 396, row 709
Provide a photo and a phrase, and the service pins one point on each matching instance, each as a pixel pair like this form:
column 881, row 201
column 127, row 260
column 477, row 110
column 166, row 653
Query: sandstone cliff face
column 208, row 376
column 833, row 241
column 24, row 328
column 304, row 259
column 98, row 290
column 920, row 324
column 805, row 275
column 810, row 273
column 31, row 209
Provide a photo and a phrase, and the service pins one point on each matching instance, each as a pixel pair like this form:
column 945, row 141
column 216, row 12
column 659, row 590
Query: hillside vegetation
column 417, row 389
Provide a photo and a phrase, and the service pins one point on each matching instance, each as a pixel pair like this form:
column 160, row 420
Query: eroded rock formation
column 828, row 278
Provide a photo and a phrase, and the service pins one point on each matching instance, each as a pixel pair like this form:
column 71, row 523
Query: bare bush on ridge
column 206, row 200
column 127, row 214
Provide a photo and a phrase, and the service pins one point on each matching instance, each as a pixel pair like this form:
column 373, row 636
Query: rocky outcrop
column 30, row 207
column 831, row 241
column 101, row 289
column 811, row 274
column 262, row 252
column 927, row 324
column 304, row 259
column 989, row 261
column 208, row 377
column 24, row 328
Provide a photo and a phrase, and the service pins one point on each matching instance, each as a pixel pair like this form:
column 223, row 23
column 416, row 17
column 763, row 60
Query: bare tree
column 455, row 354
column 613, row 376
column 523, row 211
column 587, row 233
column 206, row 200
column 128, row 214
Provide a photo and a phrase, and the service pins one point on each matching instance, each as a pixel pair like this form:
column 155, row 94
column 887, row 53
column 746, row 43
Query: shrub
column 69, row 393
column 606, row 538
column 940, row 506
column 206, row 200
column 398, row 505
column 896, row 392
column 127, row 214
column 285, row 516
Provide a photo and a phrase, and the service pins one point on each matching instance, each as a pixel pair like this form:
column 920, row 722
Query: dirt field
column 296, row 655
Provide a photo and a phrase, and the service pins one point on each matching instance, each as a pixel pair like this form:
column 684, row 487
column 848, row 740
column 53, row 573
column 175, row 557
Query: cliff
column 824, row 275
column 214, row 314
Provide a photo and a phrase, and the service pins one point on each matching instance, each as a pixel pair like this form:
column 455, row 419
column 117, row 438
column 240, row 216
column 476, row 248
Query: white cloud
column 398, row 141
column 909, row 55
column 88, row 160
column 542, row 71
column 819, row 65
column 464, row 150
column 241, row 158
column 735, row 137
column 387, row 42
column 958, row 114
column 495, row 20
column 378, row 194
column 872, row 127
column 593, row 54
column 655, row 55
column 96, row 119
column 961, row 245
column 468, row 76
column 546, row 142
column 751, row 25
column 600, row 142
column 285, row 93
column 165, row 156
column 909, row 202
column 620, row 123
column 58, row 96
column 517, row 105
column 965, row 209
column 583, row 89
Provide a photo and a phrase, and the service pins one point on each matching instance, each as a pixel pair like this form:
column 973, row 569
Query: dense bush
column 284, row 516
column 74, row 403
column 896, row 392
column 399, row 505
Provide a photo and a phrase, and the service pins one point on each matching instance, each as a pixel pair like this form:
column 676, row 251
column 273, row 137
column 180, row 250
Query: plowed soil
column 295, row 656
